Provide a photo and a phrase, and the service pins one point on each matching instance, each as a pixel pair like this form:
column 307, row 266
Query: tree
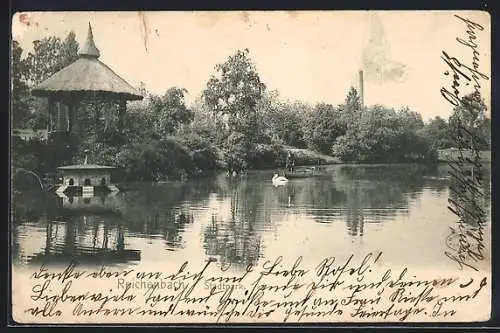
column 485, row 131
column 279, row 122
column 206, row 124
column 170, row 111
column 438, row 133
column 49, row 56
column 299, row 113
column 383, row 135
column 470, row 115
column 411, row 119
column 322, row 127
column 352, row 101
column 237, row 152
column 268, row 115
column 349, row 111
column 69, row 52
column 234, row 92
column 291, row 129
column 20, row 100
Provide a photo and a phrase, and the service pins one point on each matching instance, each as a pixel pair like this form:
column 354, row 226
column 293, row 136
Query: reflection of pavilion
column 93, row 234
column 105, row 204
column 100, row 243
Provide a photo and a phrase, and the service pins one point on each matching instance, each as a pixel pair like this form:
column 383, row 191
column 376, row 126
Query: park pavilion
column 86, row 81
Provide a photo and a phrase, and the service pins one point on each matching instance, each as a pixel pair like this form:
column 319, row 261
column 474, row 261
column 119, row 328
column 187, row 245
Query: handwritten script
column 356, row 289
column 465, row 242
column 462, row 73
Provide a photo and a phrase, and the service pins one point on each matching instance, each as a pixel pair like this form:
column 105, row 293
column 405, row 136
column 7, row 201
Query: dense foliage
column 470, row 114
column 20, row 90
column 322, row 128
column 378, row 134
column 235, row 124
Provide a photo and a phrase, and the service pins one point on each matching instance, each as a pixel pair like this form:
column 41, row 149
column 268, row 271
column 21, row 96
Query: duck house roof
column 86, row 167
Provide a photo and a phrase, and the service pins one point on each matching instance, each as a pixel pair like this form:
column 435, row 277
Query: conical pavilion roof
column 89, row 49
column 87, row 78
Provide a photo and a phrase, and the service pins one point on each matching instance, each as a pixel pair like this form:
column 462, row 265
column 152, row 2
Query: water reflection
column 86, row 230
column 236, row 238
column 229, row 219
column 375, row 195
column 68, row 241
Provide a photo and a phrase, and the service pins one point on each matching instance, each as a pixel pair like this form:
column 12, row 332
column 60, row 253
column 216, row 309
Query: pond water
column 398, row 209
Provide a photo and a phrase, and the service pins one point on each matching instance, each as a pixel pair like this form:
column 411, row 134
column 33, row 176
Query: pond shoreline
column 445, row 156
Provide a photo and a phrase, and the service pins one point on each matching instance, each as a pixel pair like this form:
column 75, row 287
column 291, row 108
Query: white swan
column 279, row 180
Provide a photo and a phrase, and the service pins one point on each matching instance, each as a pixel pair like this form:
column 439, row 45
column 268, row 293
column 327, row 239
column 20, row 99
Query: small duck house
column 86, row 175
column 86, row 178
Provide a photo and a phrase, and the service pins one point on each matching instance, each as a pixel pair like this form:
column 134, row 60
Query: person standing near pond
column 290, row 162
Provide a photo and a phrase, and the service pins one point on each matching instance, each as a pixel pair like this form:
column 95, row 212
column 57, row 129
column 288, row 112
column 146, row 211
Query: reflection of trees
column 354, row 194
column 319, row 193
column 160, row 210
column 361, row 194
column 377, row 193
column 236, row 239
column 31, row 207
column 85, row 239
column 150, row 211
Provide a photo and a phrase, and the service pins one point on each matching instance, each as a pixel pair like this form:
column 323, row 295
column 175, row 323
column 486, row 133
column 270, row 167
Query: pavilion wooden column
column 72, row 110
column 79, row 119
column 122, row 108
column 51, row 109
column 58, row 115
column 97, row 112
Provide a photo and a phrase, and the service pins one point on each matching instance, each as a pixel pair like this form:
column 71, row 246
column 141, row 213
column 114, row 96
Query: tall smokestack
column 361, row 89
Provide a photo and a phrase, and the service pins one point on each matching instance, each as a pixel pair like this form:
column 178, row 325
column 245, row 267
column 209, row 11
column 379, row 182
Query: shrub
column 164, row 159
column 192, row 141
column 383, row 135
column 202, row 153
column 236, row 152
column 106, row 155
column 267, row 156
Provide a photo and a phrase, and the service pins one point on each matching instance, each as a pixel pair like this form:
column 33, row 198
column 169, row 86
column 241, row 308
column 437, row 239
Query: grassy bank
column 269, row 156
column 445, row 155
column 308, row 157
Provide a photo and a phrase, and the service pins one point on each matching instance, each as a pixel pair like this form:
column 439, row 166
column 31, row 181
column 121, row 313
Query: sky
column 312, row 56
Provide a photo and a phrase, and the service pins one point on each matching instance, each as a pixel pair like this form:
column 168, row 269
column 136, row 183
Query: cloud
column 376, row 57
